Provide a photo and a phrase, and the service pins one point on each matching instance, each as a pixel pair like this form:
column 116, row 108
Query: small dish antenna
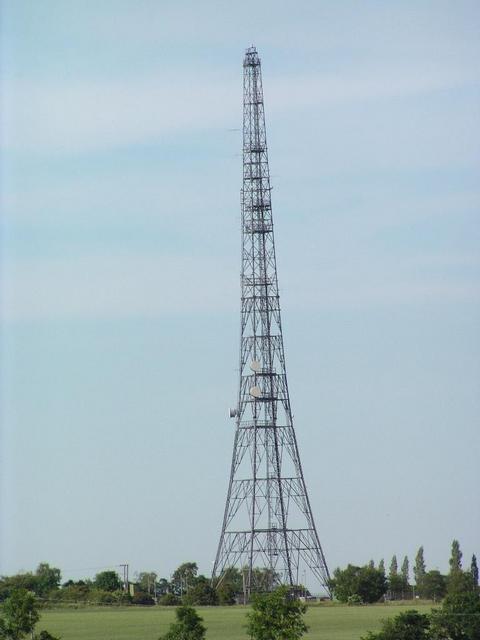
column 256, row 392
column 255, row 366
column 233, row 413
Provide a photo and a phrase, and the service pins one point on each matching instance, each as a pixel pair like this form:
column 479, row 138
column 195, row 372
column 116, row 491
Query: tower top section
column 251, row 57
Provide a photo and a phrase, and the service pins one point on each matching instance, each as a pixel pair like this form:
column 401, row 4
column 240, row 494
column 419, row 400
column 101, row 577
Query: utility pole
column 268, row 522
column 125, row 577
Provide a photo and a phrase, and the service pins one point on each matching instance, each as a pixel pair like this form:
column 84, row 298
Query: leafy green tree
column 459, row 582
column 146, row 581
column 69, row 583
column 108, row 581
column 265, row 579
column 458, row 618
column 163, row 586
column 276, row 616
column 187, row 627
column 393, row 567
column 371, row 564
column 354, row 600
column 409, row 625
column 372, row 584
column 143, row 598
column 405, row 570
column 47, row 579
column 226, row 593
column 234, row 577
column 9, row 584
column 367, row 583
column 433, row 585
column 19, row 615
column 230, row 585
column 201, row 593
column 381, row 566
column 397, row 587
column 184, row 577
column 455, row 558
column 74, row 591
column 396, row 584
column 169, row 600
column 474, row 572
column 419, row 569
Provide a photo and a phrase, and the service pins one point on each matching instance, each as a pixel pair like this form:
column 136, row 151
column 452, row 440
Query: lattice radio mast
column 268, row 521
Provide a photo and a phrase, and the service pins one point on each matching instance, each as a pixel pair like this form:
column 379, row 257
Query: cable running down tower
column 268, row 522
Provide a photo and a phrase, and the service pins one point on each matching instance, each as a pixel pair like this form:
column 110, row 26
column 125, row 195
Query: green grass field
column 326, row 622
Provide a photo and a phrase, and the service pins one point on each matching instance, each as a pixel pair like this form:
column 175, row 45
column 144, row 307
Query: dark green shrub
column 187, row 627
column 141, row 597
column 169, row 600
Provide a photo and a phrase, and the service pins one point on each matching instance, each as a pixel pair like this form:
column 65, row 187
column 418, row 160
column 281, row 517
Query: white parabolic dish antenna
column 256, row 392
column 255, row 365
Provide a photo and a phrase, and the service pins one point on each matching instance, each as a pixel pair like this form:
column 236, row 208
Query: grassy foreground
column 326, row 622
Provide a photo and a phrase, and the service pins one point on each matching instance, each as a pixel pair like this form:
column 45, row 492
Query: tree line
column 353, row 585
column 185, row 586
column 370, row 583
column 277, row 614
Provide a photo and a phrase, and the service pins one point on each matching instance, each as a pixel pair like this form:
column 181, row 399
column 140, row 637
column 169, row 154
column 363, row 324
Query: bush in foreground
column 19, row 617
column 187, row 627
column 276, row 616
column 457, row 619
column 409, row 625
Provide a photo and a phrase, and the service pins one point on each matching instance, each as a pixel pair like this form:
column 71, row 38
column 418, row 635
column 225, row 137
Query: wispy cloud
column 97, row 286
column 90, row 116
column 86, row 116
column 118, row 286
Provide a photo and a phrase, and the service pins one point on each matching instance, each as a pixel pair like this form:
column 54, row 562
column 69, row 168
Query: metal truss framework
column 268, row 521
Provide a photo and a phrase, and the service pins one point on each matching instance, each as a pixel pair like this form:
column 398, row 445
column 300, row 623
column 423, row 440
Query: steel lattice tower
column 268, row 521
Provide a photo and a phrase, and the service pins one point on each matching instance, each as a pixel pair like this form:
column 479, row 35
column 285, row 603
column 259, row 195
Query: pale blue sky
column 120, row 259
